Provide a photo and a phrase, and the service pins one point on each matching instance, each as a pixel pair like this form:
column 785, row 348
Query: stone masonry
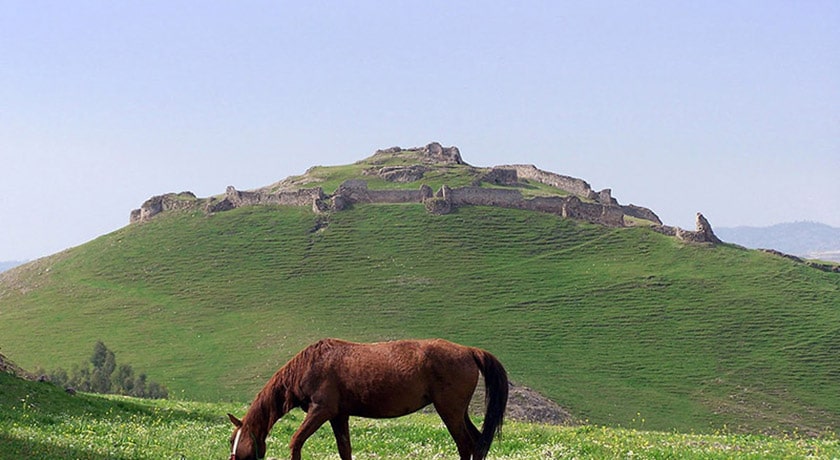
column 582, row 204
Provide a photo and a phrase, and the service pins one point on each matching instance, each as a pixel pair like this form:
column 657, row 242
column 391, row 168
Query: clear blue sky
column 731, row 108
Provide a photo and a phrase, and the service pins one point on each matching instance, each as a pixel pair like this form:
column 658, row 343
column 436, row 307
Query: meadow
column 614, row 324
column 39, row 420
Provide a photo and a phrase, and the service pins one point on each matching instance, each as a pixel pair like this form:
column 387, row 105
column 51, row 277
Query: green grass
column 329, row 178
column 608, row 322
column 38, row 420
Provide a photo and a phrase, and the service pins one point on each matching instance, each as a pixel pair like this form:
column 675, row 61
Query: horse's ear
column 235, row 421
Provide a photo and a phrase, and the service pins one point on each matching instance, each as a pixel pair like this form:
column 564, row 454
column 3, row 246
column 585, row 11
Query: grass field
column 38, row 420
column 615, row 324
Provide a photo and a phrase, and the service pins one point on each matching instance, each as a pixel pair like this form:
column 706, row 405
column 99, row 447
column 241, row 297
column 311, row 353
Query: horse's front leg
column 315, row 417
column 341, row 429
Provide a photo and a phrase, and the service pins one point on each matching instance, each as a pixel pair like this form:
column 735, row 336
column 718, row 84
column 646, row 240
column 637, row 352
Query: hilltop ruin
column 580, row 202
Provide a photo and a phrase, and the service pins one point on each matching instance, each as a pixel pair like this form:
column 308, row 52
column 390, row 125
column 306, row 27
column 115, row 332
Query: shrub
column 103, row 379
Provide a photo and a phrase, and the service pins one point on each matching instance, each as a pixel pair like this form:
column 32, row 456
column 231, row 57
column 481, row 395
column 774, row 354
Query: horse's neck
column 267, row 408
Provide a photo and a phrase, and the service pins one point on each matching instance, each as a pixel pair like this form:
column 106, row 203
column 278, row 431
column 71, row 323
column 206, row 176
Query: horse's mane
column 278, row 396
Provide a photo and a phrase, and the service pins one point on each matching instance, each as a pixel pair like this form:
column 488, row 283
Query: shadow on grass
column 15, row 448
column 43, row 403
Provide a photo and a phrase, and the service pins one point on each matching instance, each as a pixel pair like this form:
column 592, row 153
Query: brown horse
column 333, row 379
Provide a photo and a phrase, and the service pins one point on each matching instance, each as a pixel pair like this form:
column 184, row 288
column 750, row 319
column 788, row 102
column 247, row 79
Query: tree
column 100, row 352
column 156, row 391
column 123, row 381
column 59, row 377
column 107, row 377
column 104, row 362
column 139, row 387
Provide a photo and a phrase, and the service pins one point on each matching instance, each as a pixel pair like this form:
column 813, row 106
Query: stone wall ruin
column 583, row 203
column 433, row 153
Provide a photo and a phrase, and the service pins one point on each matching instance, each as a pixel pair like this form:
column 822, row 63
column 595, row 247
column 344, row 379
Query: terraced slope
column 616, row 324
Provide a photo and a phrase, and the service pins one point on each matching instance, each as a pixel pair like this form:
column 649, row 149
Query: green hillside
column 615, row 324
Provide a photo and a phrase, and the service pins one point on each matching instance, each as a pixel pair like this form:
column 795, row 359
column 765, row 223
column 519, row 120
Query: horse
column 333, row 380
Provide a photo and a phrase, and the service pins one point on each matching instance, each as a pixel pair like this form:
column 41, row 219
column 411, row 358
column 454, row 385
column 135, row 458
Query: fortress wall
column 553, row 204
column 573, row 185
column 485, row 197
column 354, row 191
column 394, row 196
column 357, row 192
column 642, row 213
column 612, row 215
column 592, row 212
column 571, row 207
column 501, row 176
column 301, row 197
column 241, row 198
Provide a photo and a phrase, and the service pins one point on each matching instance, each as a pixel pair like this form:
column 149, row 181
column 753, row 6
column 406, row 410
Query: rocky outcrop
column 9, row 367
column 160, row 203
column 334, row 203
column 526, row 405
column 433, row 153
column 437, row 205
column 440, row 154
column 702, row 234
column 705, row 229
column 411, row 173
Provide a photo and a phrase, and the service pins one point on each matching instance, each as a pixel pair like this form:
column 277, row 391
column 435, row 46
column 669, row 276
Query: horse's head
column 243, row 442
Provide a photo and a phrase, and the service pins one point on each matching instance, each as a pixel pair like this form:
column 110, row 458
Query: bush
column 103, row 379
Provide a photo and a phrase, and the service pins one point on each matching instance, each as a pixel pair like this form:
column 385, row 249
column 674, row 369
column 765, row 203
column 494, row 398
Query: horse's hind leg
column 458, row 424
column 341, row 429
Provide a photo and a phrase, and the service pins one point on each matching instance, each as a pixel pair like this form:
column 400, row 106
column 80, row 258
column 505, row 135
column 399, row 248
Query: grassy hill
column 615, row 324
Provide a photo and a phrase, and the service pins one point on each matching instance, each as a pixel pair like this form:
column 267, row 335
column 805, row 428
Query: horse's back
column 389, row 379
column 427, row 359
column 408, row 360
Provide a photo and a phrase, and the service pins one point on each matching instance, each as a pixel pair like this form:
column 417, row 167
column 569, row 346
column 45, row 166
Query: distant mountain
column 805, row 239
column 5, row 265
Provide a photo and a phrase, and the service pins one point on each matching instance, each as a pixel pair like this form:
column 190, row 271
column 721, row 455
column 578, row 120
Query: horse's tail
column 496, row 396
